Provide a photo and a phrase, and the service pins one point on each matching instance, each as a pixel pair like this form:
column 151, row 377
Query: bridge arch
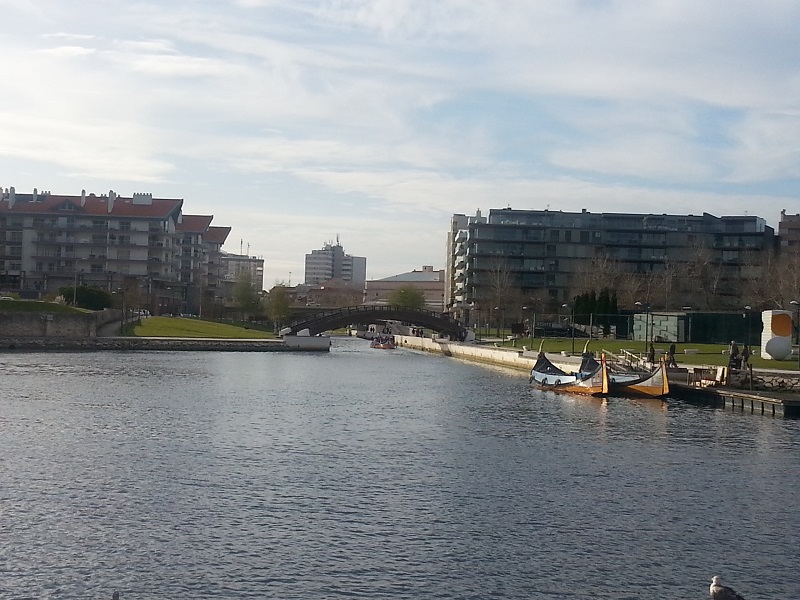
column 365, row 315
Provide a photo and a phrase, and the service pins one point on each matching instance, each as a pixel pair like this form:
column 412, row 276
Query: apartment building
column 215, row 237
column 427, row 280
column 542, row 255
column 789, row 231
column 331, row 262
column 234, row 266
column 143, row 246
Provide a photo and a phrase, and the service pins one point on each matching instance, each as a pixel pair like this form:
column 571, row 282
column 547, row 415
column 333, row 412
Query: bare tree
column 772, row 280
column 703, row 276
column 664, row 285
column 599, row 273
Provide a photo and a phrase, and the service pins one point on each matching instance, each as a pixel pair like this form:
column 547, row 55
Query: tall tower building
column 331, row 262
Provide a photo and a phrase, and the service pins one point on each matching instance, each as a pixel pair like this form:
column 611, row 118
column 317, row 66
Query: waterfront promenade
column 779, row 398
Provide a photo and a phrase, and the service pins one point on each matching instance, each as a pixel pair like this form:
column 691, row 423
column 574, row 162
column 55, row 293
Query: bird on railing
column 722, row 592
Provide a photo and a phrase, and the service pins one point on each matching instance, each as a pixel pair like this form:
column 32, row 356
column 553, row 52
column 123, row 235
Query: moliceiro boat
column 598, row 379
column 591, row 379
column 654, row 384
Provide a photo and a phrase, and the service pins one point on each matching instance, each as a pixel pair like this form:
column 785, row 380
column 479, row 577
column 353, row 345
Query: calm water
column 376, row 474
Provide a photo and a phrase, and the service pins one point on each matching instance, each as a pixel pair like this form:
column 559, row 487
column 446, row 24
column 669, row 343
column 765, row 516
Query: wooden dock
column 753, row 401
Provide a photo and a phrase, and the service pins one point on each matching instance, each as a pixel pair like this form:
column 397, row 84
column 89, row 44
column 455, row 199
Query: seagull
column 722, row 592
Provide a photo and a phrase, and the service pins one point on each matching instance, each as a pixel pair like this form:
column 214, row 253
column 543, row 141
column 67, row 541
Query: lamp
column 571, row 323
column 646, row 307
column 796, row 304
column 748, row 308
column 689, row 319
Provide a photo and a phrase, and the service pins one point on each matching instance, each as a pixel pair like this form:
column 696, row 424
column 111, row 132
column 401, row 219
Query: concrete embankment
column 772, row 396
column 89, row 344
column 504, row 357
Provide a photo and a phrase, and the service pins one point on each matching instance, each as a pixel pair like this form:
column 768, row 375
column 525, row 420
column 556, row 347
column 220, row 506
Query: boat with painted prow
column 653, row 384
column 591, row 379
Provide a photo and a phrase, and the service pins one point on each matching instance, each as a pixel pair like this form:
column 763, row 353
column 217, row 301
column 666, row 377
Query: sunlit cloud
column 289, row 118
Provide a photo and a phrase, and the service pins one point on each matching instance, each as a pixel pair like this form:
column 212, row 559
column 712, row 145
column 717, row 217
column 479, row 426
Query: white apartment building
column 331, row 262
column 140, row 245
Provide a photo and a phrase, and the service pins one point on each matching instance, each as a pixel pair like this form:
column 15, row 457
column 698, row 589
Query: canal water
column 376, row 474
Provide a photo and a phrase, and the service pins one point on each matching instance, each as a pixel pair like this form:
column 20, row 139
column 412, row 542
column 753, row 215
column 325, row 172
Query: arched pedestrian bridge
column 365, row 315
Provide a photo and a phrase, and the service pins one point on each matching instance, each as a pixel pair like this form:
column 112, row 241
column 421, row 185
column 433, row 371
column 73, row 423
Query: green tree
column 277, row 305
column 245, row 295
column 407, row 296
column 87, row 297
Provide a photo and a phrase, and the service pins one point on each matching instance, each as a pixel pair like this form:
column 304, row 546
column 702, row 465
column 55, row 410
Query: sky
column 297, row 122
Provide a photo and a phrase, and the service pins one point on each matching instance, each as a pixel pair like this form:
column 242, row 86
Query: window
column 554, row 235
column 96, row 268
column 568, row 236
column 584, row 237
column 124, row 225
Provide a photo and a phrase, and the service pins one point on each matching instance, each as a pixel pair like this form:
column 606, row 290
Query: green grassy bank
column 707, row 354
column 191, row 328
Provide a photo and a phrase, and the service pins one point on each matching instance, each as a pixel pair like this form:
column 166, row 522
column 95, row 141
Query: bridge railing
column 318, row 316
column 398, row 312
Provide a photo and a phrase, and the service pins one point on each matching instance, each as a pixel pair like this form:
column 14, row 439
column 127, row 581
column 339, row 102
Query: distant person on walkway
column 735, row 359
column 746, row 355
column 671, row 358
column 651, row 354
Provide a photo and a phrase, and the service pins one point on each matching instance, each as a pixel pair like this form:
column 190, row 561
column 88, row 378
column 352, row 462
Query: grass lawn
column 193, row 328
column 707, row 354
column 37, row 306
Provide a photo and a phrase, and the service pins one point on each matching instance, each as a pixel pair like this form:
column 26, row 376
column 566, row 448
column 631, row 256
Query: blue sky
column 294, row 121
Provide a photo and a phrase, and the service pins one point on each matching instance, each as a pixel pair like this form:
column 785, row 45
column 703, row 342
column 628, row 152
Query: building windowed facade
column 140, row 245
column 545, row 258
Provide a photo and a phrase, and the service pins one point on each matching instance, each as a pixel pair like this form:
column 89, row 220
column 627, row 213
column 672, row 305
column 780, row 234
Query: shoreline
column 99, row 344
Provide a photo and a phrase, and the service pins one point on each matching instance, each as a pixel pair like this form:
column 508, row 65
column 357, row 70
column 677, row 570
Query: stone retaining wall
column 483, row 354
column 766, row 381
column 50, row 344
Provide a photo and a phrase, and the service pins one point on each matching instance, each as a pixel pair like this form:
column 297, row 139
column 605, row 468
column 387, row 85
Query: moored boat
column 654, row 384
column 590, row 379
column 383, row 342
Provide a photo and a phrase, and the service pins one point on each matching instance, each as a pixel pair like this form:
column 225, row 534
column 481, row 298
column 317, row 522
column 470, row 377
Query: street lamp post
column 748, row 308
column 646, row 307
column 75, row 285
column 122, row 296
column 571, row 323
column 796, row 304
column 689, row 319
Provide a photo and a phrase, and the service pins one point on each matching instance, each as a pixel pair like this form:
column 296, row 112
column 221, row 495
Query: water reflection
column 375, row 474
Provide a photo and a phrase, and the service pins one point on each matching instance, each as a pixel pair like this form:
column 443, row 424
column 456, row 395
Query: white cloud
column 405, row 111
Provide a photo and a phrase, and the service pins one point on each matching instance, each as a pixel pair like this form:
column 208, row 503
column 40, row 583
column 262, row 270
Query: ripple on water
column 365, row 474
